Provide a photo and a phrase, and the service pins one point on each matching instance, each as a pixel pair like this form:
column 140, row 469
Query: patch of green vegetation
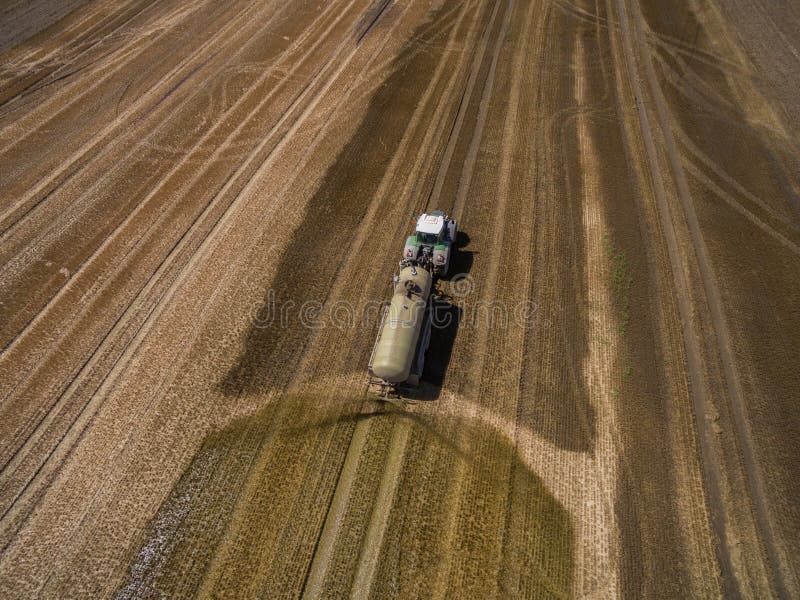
column 179, row 545
column 237, row 492
column 536, row 542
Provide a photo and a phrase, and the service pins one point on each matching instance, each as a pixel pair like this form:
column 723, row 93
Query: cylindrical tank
column 397, row 341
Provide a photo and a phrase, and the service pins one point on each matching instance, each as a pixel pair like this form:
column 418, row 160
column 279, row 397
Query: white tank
column 397, row 343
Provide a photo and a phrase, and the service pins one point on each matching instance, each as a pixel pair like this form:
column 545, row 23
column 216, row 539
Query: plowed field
column 201, row 207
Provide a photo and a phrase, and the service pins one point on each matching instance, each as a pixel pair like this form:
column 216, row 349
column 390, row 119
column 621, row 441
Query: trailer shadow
column 447, row 316
column 446, row 319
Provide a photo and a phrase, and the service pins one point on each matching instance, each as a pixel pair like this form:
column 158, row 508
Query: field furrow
column 202, row 205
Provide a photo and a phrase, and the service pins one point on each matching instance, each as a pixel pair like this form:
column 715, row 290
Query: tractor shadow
column 447, row 315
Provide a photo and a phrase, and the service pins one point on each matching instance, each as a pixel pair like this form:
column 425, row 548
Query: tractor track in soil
column 366, row 570
column 173, row 174
column 710, row 461
column 177, row 270
column 121, row 228
column 210, row 206
column 58, row 177
column 719, row 505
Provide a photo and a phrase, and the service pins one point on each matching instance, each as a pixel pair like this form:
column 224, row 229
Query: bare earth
column 614, row 409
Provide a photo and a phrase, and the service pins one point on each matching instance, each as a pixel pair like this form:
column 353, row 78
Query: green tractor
column 432, row 244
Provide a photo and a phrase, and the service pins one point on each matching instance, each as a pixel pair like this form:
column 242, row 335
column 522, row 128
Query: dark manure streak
column 312, row 261
column 652, row 558
column 757, row 283
column 561, row 411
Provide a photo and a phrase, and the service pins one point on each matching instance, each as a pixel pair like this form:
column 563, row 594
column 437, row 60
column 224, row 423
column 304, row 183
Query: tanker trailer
column 398, row 356
column 399, row 353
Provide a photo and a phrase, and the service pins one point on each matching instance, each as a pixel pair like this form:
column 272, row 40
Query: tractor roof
column 430, row 224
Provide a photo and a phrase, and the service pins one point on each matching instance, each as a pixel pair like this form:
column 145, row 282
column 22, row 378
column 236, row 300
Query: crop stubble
column 157, row 441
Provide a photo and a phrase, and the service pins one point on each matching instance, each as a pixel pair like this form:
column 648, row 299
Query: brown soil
column 202, row 204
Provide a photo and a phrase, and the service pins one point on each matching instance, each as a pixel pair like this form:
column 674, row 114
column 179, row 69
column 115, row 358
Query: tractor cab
column 430, row 229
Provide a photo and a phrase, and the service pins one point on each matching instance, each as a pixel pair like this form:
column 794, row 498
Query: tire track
column 710, row 462
column 56, row 408
column 720, row 327
column 12, row 215
column 89, row 20
column 200, row 156
column 26, row 56
column 705, row 161
column 696, row 90
column 111, row 243
column 706, row 181
column 126, row 158
column 472, row 153
column 27, row 85
column 380, row 10
column 242, row 171
column 455, row 132
column 209, row 161
column 307, row 110
column 22, row 128
column 680, row 431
